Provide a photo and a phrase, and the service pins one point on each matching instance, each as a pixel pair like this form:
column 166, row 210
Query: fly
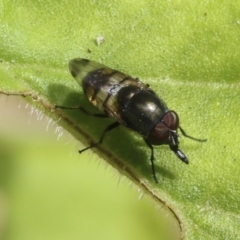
column 131, row 103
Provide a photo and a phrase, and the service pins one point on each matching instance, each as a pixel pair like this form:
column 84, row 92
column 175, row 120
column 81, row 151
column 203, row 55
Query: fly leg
column 152, row 160
column 173, row 144
column 107, row 129
column 101, row 115
column 193, row 138
column 179, row 153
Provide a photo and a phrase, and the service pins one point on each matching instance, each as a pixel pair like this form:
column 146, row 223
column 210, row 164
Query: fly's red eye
column 161, row 131
column 171, row 120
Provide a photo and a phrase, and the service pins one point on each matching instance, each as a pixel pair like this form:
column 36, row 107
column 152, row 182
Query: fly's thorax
column 141, row 109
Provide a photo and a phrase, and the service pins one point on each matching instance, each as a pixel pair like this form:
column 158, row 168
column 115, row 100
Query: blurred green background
column 49, row 191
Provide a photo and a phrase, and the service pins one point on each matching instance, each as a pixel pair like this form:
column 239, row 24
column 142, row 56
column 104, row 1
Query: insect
column 131, row 103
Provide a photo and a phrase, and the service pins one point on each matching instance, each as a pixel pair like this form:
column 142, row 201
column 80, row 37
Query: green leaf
column 188, row 53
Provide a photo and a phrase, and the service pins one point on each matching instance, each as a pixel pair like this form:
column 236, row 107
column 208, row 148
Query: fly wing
column 80, row 67
column 101, row 85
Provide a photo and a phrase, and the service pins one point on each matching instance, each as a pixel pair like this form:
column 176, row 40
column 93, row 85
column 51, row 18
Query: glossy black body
column 141, row 109
column 131, row 103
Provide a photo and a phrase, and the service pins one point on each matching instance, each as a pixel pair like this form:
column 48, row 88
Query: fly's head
column 165, row 132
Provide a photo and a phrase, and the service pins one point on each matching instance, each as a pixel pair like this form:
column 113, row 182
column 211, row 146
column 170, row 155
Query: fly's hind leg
column 101, row 115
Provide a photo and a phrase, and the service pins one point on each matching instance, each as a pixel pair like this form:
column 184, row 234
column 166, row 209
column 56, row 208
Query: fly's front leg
column 193, row 138
column 152, row 160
